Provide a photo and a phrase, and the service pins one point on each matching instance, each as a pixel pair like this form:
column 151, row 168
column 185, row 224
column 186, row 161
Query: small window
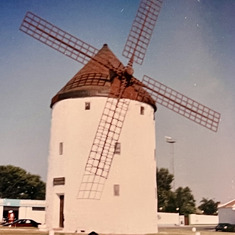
column 87, row 105
column 117, row 147
column 38, row 208
column 142, row 110
column 116, row 189
column 59, row 181
column 61, row 148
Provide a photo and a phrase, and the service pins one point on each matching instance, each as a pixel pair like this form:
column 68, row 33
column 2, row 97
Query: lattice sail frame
column 57, row 38
column 103, row 148
column 141, row 30
column 182, row 104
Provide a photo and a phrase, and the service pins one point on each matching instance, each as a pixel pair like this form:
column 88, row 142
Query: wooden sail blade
column 56, row 38
column 141, row 30
column 103, row 149
column 104, row 145
column 181, row 104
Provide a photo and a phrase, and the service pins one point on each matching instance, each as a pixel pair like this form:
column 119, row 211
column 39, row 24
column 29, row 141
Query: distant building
column 226, row 212
column 23, row 209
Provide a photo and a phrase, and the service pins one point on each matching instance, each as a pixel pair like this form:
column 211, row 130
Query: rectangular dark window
column 61, row 215
column 61, row 148
column 142, row 110
column 59, row 181
column 87, row 105
column 38, row 208
column 116, row 190
column 117, row 148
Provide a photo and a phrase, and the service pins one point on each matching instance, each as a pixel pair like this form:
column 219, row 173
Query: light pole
column 171, row 141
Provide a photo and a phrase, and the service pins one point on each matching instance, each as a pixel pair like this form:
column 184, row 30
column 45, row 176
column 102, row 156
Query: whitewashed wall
column 203, row 219
column 30, row 209
column 134, row 211
column 1, row 212
column 174, row 219
column 168, row 219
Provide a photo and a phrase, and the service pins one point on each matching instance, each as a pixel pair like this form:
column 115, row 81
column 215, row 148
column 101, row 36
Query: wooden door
column 61, row 217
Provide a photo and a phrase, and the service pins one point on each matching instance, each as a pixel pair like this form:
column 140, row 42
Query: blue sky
column 192, row 51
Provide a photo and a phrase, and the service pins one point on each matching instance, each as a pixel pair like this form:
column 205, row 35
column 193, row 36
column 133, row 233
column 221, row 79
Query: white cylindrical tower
column 128, row 203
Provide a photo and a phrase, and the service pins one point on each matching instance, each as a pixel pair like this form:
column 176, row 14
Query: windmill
column 111, row 87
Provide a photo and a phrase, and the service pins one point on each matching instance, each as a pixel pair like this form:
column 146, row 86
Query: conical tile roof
column 95, row 79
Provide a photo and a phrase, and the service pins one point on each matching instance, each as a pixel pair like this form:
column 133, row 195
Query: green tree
column 16, row 183
column 170, row 203
column 208, row 206
column 164, row 180
column 181, row 200
column 184, row 201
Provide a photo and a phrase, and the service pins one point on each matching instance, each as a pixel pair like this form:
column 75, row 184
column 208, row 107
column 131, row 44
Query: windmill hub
column 129, row 70
column 128, row 73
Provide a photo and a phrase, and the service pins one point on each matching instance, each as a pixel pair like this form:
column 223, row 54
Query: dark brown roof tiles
column 97, row 78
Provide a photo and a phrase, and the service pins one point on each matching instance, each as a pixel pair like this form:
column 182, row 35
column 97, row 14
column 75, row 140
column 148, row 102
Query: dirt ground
column 186, row 230
column 21, row 231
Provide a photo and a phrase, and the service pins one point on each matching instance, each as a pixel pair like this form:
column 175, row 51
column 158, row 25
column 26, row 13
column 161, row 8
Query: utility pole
column 172, row 141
